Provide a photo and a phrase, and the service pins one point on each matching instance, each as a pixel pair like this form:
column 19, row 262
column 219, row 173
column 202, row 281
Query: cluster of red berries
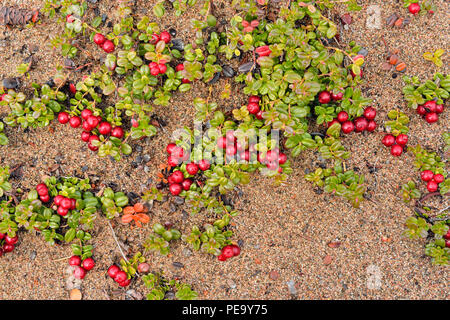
column 180, row 67
column 250, row 26
column 64, row 204
column 263, row 51
column 7, row 243
column 163, row 36
column 447, row 239
column 156, row 68
column 89, row 122
column 229, row 251
column 119, row 275
column 107, row 45
column 253, row 107
column 432, row 180
column 414, row 8
column 81, row 267
column 430, row 110
column 359, row 124
column 396, row 144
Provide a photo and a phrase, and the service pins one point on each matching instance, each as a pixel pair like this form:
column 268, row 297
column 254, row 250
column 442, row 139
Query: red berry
column 221, row 257
column 360, row 124
column 272, row 165
column 347, row 127
column 396, row 150
column 74, row 260
column 42, row 189
column 86, row 113
column 342, row 116
column 245, row 155
column 439, row 108
column 88, row 264
column 113, row 270
column 99, row 39
column 388, row 140
column 72, row 88
column 259, row 115
column 2, row 236
column 282, row 158
column 170, row 147
column 431, row 117
column 402, row 139
column 192, row 169
column 8, row 247
column 117, row 132
column 125, row 283
column 230, row 136
column 432, row 186
column 186, row 184
column 70, row 18
column 271, row 156
column 165, row 36
column 86, row 126
column 185, row 80
column 66, row 203
column 231, row 150
column 62, row 212
column 45, row 198
column 79, row 272
column 175, row 189
column 329, row 124
column 57, row 200
column 370, row 113
column 447, row 235
column 108, row 46
column 254, row 99
column 11, row 240
column 338, row 96
column 162, row 68
column 63, row 117
column 179, row 67
column 414, row 8
column 104, row 128
column 73, row 205
column 222, row 142
column 143, row 267
column 371, row 126
column 236, row 250
column 421, row 110
column 75, row 122
column 178, row 152
column 173, row 161
column 430, row 105
column 120, row 276
column 204, row 164
column 324, row 97
column 253, row 108
column 227, row 252
column 439, row 178
column 92, row 121
column 85, row 136
column 177, row 176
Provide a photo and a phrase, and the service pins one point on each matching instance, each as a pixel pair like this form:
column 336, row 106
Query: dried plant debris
column 17, row 16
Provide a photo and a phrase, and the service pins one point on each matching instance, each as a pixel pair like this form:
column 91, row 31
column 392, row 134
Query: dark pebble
column 138, row 159
column 240, row 243
column 178, row 44
column 178, row 265
column 104, row 18
column 173, row 32
column 169, row 295
column 394, row 75
column 134, row 165
column 11, row 83
column 172, row 208
column 84, row 168
column 146, row 158
column 50, row 83
column 178, row 200
column 228, row 71
column 364, row 52
column 138, row 148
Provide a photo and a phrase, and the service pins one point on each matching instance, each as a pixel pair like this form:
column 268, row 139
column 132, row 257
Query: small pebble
column 178, row 265
column 274, row 275
column 291, row 287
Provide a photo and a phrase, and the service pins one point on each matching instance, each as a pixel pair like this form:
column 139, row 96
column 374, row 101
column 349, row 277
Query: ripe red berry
column 192, row 169
column 186, row 184
column 347, row 127
column 253, row 108
column 104, row 128
column 70, row 18
column 177, row 176
column 439, row 178
column 75, row 122
column 85, row 136
column 221, row 257
column 73, row 205
column 254, row 99
column 371, row 126
column 271, row 156
column 414, row 8
column 99, row 39
column 74, row 260
column 117, row 132
column 8, row 247
column 421, row 110
column 92, row 121
column 165, row 36
column 396, row 150
column 185, row 80
column 324, row 97
column 79, row 272
column 57, row 200
column 108, row 46
column 431, row 117
column 432, row 186
column 204, row 164
column 222, row 142
column 342, row 116
column 388, row 140
column 72, row 88
column 120, row 276
column 430, row 105
column 178, row 152
column 236, row 250
column 42, row 189
column 259, row 115
column 439, row 108
column 11, row 240
column 66, row 203
column 162, row 68
column 360, row 124
column 370, row 113
column 63, row 117
column 88, row 264
column 179, row 67
column 337, row 96
column 125, row 283
column 86, row 126
column 175, row 189
column 173, row 161
column 113, row 270
column 245, row 155
column 45, row 198
column 230, row 136
column 62, row 212
column 227, row 252
column 282, row 158
column 402, row 139
column 329, row 124
column 231, row 150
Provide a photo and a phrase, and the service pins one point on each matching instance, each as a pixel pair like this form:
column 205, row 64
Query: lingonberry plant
column 397, row 137
column 159, row 240
column 159, row 287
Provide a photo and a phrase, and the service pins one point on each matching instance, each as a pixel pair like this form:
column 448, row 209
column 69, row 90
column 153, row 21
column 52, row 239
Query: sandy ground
column 284, row 230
